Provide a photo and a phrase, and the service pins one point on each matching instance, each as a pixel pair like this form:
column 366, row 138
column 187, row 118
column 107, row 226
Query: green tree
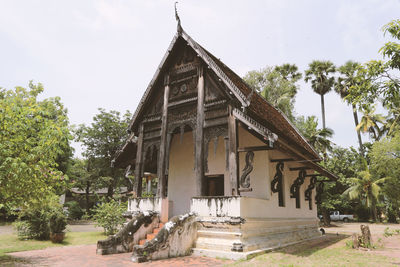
column 366, row 188
column 289, row 72
column 318, row 138
column 84, row 176
column 320, row 73
column 277, row 85
column 378, row 80
column 385, row 162
column 370, row 122
column 102, row 139
column 348, row 79
column 34, row 136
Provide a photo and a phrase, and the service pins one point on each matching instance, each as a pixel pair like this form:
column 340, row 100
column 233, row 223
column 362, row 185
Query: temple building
column 234, row 175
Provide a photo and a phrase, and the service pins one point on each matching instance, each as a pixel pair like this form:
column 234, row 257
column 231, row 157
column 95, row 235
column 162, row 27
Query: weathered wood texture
column 162, row 161
column 233, row 154
column 199, row 147
column 139, row 162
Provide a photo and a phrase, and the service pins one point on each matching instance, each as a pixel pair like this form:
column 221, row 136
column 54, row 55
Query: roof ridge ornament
column 178, row 19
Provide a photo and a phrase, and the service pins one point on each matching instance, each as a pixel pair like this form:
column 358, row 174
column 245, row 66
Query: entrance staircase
column 151, row 235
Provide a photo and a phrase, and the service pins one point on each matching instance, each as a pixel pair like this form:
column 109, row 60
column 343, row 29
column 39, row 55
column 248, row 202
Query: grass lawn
column 10, row 243
column 330, row 252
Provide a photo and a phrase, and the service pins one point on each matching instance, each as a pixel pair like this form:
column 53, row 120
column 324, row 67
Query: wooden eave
column 297, row 144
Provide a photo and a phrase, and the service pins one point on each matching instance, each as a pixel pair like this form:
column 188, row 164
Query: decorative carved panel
column 245, row 178
column 308, row 192
column 295, row 188
column 277, row 183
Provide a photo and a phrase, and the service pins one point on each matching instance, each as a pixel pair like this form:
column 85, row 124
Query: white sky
column 103, row 53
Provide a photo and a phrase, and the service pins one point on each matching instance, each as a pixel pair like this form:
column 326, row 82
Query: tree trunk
column 358, row 132
column 323, row 111
column 325, row 217
column 87, row 192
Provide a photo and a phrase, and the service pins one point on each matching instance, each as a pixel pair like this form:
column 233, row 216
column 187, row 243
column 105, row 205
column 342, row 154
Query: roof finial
column 179, row 27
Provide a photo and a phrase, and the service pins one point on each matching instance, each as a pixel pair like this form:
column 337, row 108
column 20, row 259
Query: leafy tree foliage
column 320, row 74
column 385, row 162
column 347, row 79
column 370, row 122
column 318, row 138
column 366, row 188
column 85, row 176
column 277, row 85
column 109, row 215
column 102, row 139
column 34, row 141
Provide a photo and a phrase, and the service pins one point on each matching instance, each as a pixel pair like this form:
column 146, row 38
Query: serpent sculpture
column 245, row 178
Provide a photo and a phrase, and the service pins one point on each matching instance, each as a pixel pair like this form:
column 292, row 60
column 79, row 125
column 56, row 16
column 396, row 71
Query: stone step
column 215, row 243
column 218, row 234
column 160, row 225
column 150, row 236
column 156, row 230
column 226, row 254
column 142, row 241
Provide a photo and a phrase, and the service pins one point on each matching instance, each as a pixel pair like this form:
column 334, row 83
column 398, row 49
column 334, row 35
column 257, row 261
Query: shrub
column 23, row 229
column 36, row 220
column 75, row 212
column 57, row 221
column 109, row 216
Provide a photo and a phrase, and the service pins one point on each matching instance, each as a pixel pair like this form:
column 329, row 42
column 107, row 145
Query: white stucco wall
column 260, row 202
column 259, row 177
column 181, row 176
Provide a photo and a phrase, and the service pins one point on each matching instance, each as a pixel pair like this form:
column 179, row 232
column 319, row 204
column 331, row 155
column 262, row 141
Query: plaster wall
column 259, row 181
column 217, row 162
column 144, row 204
column 181, row 176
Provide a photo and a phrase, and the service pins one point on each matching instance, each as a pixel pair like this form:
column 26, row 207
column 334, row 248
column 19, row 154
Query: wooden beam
column 299, row 168
column 164, row 154
column 282, row 160
column 254, row 148
column 233, row 155
column 137, row 187
column 199, row 147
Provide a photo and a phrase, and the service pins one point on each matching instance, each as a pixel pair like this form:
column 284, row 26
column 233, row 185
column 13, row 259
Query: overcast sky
column 104, row 53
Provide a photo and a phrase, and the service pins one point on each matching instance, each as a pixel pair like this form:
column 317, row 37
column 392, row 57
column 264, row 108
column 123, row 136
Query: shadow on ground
column 307, row 248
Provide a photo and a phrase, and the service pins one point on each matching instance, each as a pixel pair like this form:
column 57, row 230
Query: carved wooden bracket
column 245, row 178
column 277, row 183
column 318, row 196
column 295, row 188
column 308, row 192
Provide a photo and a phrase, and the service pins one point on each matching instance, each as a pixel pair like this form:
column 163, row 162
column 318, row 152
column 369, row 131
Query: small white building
column 222, row 152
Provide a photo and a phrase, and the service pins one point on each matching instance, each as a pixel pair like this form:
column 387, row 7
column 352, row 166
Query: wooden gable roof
column 255, row 105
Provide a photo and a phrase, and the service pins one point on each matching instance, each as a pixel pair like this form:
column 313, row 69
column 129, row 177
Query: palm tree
column 289, row 72
column 369, row 122
column 318, row 138
column 342, row 86
column 319, row 73
column 365, row 188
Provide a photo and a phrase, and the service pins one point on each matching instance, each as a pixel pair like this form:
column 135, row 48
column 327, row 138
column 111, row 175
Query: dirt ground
column 386, row 246
column 354, row 227
column 336, row 237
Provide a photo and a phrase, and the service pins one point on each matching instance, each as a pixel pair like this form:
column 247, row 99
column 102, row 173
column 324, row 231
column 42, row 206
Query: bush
column 36, row 221
column 23, row 229
column 109, row 216
column 57, row 221
column 75, row 212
